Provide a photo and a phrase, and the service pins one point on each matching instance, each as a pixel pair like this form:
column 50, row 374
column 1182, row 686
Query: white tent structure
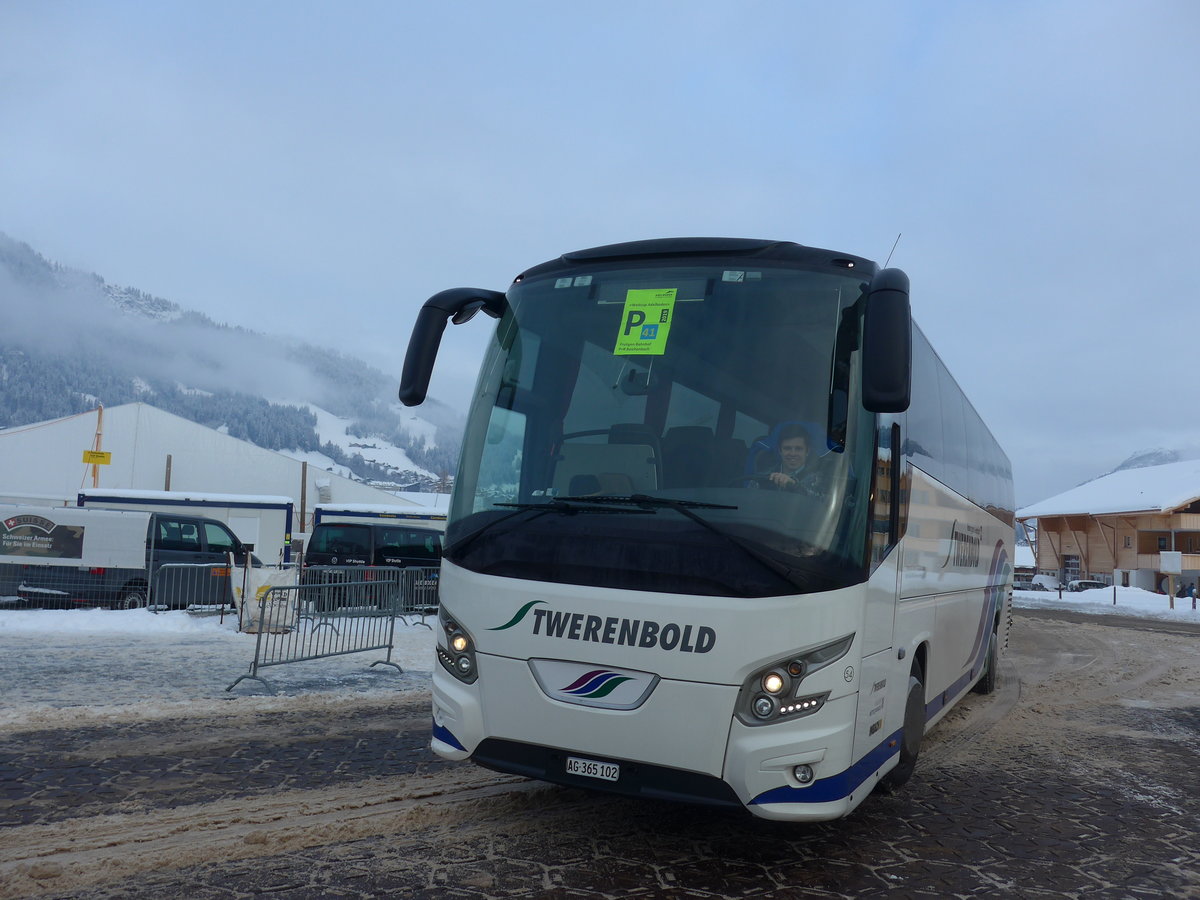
column 155, row 450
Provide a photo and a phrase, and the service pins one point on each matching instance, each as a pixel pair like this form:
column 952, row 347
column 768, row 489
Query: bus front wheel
column 910, row 737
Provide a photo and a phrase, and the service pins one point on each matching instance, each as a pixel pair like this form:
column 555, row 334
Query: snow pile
column 59, row 665
column 1099, row 602
column 52, row 624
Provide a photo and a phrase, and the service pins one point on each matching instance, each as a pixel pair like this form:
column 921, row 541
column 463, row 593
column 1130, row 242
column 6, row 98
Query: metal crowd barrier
column 199, row 588
column 196, row 586
column 333, row 611
column 419, row 594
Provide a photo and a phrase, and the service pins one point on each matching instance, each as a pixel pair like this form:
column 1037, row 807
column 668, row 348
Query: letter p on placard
column 646, row 322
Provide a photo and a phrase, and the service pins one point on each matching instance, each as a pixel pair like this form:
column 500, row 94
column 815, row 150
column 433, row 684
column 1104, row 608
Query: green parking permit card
column 646, row 322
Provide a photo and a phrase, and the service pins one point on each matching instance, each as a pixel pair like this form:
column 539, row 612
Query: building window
column 1128, row 542
column 1162, row 543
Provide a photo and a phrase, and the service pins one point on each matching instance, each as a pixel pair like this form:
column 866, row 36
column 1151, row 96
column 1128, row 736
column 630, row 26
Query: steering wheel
column 747, row 480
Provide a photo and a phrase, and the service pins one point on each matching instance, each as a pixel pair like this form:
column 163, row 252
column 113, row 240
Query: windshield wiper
column 685, row 508
column 567, row 505
column 552, row 506
column 645, row 500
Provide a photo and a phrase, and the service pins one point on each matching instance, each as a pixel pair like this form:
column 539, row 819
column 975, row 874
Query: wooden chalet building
column 1116, row 528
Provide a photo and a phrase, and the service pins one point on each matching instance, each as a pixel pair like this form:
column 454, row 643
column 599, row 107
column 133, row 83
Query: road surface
column 1078, row 777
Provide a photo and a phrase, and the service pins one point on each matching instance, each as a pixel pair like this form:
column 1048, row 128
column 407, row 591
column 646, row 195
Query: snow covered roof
column 187, row 496
column 1023, row 556
column 1149, row 489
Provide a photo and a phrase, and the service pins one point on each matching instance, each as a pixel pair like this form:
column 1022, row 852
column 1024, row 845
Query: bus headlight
column 457, row 656
column 773, row 694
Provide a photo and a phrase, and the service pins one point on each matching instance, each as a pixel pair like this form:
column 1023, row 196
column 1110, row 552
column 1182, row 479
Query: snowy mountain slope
column 72, row 341
column 1158, row 456
column 336, row 430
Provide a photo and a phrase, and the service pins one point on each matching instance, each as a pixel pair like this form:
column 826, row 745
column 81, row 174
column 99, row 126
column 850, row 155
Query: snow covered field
column 85, row 664
column 1099, row 602
column 82, row 665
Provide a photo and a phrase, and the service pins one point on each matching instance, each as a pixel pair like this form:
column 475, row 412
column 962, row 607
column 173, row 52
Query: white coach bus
column 725, row 530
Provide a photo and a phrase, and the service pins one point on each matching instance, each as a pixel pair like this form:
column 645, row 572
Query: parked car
column 373, row 544
column 1045, row 583
column 1084, row 584
column 397, row 544
column 1023, row 583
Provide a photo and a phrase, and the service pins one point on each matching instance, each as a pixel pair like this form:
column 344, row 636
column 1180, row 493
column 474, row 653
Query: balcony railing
column 1191, row 561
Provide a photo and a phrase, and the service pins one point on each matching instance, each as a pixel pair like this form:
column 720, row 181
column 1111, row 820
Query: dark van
column 373, row 544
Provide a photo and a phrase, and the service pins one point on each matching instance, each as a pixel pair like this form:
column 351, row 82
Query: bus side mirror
column 456, row 304
column 887, row 344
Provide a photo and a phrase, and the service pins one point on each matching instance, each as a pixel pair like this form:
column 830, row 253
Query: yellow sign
column 97, row 457
column 646, row 322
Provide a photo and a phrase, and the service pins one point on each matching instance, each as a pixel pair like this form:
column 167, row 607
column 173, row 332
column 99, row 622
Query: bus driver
column 794, row 473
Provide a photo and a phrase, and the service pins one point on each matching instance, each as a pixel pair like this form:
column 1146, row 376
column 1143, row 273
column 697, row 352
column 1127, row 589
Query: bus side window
column 887, row 497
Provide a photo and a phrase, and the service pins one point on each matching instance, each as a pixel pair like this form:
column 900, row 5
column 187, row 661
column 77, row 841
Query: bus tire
column 987, row 681
column 910, row 737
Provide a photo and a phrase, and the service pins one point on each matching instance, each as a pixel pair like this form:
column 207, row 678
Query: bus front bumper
column 755, row 767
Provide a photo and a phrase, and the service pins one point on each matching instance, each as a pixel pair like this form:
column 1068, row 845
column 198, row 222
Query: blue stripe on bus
column 934, row 706
column 838, row 786
column 443, row 734
column 942, row 698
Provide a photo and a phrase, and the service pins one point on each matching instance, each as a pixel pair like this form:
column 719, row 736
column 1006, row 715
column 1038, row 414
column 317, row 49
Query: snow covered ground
column 1099, row 602
column 88, row 665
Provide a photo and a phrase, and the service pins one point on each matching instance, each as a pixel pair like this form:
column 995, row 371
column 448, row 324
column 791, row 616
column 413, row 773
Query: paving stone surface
column 1048, row 798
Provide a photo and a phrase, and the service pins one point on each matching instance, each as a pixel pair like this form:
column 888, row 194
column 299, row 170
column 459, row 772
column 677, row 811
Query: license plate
column 591, row 768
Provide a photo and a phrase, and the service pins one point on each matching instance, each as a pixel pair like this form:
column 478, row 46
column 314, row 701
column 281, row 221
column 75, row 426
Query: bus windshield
column 684, row 428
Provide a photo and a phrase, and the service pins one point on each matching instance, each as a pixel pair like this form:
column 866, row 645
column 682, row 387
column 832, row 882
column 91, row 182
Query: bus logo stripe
column 521, row 613
column 581, row 681
column 595, row 685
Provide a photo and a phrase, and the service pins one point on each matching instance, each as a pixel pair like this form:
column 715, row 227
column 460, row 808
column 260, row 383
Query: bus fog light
column 763, row 707
column 463, row 663
column 804, row 774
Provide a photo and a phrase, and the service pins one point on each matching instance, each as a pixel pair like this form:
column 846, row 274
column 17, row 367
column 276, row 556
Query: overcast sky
column 319, row 170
